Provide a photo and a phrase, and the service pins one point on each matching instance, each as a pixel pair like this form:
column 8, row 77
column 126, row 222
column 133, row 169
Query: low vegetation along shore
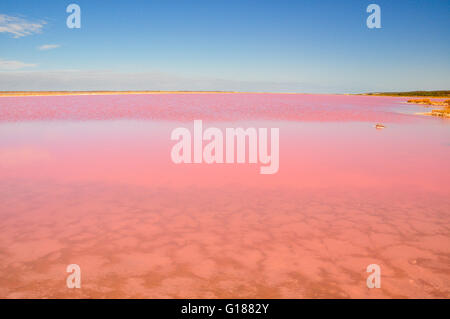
column 429, row 94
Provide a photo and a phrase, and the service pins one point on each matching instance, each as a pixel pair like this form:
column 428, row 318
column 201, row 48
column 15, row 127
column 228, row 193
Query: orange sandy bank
column 444, row 112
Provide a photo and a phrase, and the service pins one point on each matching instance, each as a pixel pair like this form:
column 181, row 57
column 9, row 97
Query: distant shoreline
column 414, row 94
column 429, row 94
column 69, row 93
column 74, row 93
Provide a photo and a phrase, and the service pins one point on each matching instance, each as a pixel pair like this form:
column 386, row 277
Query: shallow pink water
column 88, row 180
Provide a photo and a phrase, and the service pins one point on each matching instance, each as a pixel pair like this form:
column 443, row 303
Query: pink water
column 88, row 180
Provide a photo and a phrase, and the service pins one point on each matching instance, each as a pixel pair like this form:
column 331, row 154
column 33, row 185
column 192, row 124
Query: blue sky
column 293, row 46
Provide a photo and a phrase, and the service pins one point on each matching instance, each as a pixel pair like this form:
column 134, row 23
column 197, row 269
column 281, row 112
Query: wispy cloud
column 14, row 65
column 19, row 27
column 46, row 47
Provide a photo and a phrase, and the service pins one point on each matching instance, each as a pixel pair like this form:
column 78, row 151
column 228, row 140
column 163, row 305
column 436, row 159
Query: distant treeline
column 442, row 93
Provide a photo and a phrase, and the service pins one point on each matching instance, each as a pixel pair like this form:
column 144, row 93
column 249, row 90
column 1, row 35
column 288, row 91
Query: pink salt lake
column 88, row 180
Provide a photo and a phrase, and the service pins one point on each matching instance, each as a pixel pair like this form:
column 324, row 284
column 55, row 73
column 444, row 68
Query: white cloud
column 14, row 65
column 46, row 47
column 19, row 27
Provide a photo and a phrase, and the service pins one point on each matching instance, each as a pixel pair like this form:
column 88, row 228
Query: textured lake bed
column 88, row 180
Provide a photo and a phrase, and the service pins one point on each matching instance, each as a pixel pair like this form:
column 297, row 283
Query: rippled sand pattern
column 104, row 195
